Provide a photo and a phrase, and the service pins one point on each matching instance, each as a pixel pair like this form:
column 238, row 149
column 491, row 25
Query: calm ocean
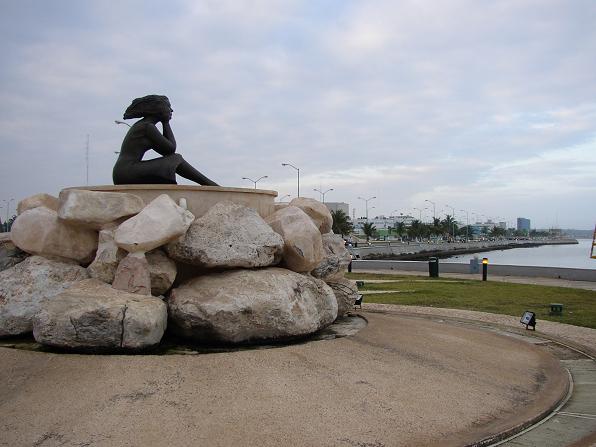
column 572, row 256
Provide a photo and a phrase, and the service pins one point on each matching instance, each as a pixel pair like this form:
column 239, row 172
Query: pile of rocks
column 109, row 272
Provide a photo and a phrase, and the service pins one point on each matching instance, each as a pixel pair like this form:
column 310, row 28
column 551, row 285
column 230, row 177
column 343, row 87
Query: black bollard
column 484, row 268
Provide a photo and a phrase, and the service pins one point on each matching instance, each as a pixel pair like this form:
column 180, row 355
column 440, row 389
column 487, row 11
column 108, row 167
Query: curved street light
column 323, row 192
column 255, row 181
column 420, row 219
column 434, row 207
column 298, row 170
column 366, row 202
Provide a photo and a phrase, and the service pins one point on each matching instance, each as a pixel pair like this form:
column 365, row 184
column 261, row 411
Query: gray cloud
column 487, row 107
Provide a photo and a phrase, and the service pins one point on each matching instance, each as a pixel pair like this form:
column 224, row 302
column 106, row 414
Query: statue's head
column 150, row 105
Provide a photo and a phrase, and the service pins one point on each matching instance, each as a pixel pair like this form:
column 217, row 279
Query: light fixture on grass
column 529, row 319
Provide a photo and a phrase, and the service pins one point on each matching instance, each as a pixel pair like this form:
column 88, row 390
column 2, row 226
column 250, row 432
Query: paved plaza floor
column 403, row 380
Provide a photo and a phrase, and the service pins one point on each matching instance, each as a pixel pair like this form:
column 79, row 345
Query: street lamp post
column 434, row 208
column 283, row 197
column 467, row 225
column 420, row 211
column 322, row 193
column 7, row 202
column 122, row 122
column 366, row 202
column 297, row 170
column 255, row 181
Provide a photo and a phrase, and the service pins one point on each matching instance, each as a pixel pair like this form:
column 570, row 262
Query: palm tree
column 341, row 223
column 369, row 230
column 400, row 228
column 449, row 225
column 416, row 229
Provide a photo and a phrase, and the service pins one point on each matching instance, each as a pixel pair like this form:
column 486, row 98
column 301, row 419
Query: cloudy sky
column 489, row 107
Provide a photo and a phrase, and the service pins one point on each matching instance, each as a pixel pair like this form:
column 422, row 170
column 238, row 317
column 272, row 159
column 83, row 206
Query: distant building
column 334, row 206
column 382, row 222
column 523, row 224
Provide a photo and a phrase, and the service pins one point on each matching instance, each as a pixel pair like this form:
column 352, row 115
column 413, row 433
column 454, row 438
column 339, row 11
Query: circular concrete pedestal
column 198, row 198
column 399, row 381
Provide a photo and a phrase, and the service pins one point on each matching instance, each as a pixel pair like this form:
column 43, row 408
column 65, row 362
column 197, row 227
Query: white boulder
column 37, row 200
column 107, row 258
column 96, row 209
column 346, row 293
column 303, row 244
column 39, row 231
column 162, row 271
column 337, row 258
column 317, row 211
column 244, row 305
column 93, row 316
column 132, row 274
column 228, row 236
column 24, row 287
column 160, row 222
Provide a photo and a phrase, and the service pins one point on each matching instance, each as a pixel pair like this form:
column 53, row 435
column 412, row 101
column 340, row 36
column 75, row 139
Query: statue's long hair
column 145, row 106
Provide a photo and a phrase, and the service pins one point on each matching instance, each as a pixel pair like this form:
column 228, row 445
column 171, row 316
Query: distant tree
column 436, row 227
column 6, row 226
column 399, row 228
column 497, row 232
column 369, row 230
column 466, row 230
column 341, row 223
column 416, row 229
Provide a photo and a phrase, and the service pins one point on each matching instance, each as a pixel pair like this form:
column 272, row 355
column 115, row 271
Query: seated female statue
column 130, row 168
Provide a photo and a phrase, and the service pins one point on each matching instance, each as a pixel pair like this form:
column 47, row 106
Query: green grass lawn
column 579, row 306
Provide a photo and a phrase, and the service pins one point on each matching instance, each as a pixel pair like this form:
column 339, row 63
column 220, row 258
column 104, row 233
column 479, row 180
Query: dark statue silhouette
column 130, row 168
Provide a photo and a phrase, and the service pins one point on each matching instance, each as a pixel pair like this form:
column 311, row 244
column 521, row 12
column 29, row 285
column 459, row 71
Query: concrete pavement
column 401, row 380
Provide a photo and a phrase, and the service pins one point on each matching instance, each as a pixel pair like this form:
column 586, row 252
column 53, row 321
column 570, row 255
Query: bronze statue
column 130, row 168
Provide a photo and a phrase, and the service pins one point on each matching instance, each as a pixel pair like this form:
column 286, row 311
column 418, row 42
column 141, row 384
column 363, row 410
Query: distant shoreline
column 417, row 252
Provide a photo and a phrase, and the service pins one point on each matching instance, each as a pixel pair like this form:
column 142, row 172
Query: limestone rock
column 279, row 206
column 93, row 316
column 317, row 211
column 303, row 244
column 160, row 222
column 242, row 305
column 31, row 202
column 162, row 271
column 39, row 231
column 96, row 209
column 228, row 236
column 24, row 287
column 346, row 293
column 107, row 258
column 132, row 275
column 10, row 255
column 336, row 260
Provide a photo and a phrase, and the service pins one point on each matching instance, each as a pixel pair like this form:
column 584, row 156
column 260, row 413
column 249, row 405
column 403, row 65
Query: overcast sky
column 488, row 107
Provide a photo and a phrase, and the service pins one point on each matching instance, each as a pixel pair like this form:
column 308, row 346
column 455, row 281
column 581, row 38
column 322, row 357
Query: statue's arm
column 163, row 144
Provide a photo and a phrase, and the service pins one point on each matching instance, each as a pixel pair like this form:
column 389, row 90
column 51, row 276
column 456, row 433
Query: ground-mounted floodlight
column 484, row 268
column 529, row 319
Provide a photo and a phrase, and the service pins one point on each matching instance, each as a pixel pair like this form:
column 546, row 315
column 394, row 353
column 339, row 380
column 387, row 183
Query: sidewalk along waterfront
column 421, row 267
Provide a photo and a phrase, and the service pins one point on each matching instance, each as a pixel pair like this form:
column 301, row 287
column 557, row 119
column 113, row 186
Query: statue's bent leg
column 185, row 170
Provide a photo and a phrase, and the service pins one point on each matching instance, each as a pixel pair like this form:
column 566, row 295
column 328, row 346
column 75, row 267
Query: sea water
column 570, row 256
